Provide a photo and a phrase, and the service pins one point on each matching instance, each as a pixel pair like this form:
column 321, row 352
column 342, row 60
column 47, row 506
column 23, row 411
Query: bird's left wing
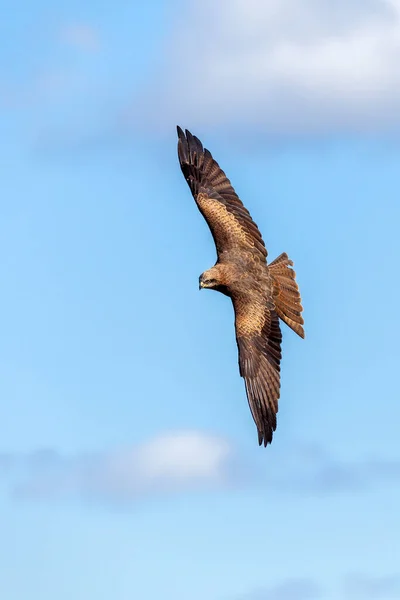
column 230, row 222
column 259, row 340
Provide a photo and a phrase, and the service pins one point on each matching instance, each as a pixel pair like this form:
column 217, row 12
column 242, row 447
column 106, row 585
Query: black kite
column 261, row 294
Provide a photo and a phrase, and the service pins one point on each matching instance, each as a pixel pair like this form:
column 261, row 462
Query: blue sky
column 129, row 463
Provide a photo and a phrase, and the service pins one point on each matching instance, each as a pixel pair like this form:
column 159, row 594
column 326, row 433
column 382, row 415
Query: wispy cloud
column 188, row 460
column 286, row 66
column 368, row 587
column 291, row 589
column 47, row 88
column 351, row 587
column 171, row 462
column 81, row 36
column 309, row 468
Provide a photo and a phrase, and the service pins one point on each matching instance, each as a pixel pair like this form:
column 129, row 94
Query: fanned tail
column 286, row 293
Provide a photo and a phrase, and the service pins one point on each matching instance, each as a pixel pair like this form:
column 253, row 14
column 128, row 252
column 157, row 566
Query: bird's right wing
column 230, row 222
column 259, row 340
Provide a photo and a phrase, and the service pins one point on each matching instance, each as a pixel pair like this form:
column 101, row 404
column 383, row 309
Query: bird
column 262, row 294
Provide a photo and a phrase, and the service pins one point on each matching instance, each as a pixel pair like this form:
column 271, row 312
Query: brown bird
column 261, row 293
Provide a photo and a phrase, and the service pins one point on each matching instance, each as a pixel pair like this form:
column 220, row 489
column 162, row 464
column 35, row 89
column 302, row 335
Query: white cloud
column 81, row 36
column 284, row 65
column 184, row 455
column 172, row 462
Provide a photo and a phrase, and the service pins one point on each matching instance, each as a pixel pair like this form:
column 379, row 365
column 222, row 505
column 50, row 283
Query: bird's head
column 211, row 279
column 207, row 281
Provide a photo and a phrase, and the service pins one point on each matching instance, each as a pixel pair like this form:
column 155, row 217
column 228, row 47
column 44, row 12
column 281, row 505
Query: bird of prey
column 261, row 293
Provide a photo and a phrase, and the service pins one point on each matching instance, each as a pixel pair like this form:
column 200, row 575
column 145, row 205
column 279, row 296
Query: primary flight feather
column 261, row 293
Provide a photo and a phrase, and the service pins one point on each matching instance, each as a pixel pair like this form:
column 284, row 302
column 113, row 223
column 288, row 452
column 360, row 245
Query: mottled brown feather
column 286, row 293
column 229, row 221
column 259, row 340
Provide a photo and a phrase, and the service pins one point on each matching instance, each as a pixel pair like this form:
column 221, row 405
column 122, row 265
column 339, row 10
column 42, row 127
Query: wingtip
column 190, row 148
column 186, row 135
column 190, row 138
column 183, row 132
column 183, row 149
column 264, row 440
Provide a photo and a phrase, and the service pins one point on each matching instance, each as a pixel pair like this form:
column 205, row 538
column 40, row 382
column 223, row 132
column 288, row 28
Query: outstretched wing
column 259, row 340
column 229, row 221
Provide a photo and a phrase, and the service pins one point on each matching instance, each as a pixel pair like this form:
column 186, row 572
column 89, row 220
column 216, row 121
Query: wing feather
column 259, row 340
column 229, row 221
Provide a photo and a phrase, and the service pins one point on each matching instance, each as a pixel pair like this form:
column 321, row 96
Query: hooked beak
column 200, row 285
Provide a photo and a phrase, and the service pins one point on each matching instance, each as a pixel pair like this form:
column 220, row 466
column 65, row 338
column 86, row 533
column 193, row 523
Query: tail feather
column 286, row 293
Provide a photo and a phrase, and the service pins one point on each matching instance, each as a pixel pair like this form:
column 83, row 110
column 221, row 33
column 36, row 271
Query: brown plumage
column 261, row 294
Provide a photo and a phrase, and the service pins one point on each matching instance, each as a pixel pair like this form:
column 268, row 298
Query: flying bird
column 261, row 293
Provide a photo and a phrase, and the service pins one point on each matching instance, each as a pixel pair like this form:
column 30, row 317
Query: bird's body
column 260, row 293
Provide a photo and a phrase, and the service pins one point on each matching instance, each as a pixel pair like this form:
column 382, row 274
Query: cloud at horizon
column 186, row 461
column 352, row 587
column 170, row 462
column 370, row 587
column 291, row 589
